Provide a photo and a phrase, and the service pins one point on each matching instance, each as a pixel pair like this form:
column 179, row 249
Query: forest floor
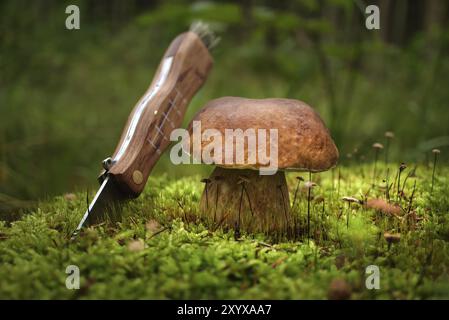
column 163, row 249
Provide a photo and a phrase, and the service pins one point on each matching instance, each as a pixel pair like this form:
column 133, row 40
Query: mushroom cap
column 304, row 142
column 389, row 134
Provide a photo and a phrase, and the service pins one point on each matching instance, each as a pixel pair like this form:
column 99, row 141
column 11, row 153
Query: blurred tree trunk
column 414, row 16
column 435, row 13
column 385, row 17
column 399, row 23
column 246, row 7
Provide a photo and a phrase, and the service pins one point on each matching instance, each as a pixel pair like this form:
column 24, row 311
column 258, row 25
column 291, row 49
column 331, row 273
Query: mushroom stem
column 388, row 136
column 338, row 184
column 284, row 206
column 248, row 201
column 433, row 171
column 401, row 168
column 375, row 166
column 411, row 199
column 206, row 181
column 387, row 185
column 308, row 207
column 296, row 191
column 387, row 149
column 240, row 208
column 348, row 215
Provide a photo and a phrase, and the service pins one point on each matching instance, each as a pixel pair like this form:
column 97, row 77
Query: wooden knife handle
column 183, row 70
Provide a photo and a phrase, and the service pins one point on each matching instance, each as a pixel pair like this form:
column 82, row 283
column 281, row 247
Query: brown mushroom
column 260, row 203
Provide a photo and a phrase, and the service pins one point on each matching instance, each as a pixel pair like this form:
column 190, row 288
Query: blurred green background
column 65, row 94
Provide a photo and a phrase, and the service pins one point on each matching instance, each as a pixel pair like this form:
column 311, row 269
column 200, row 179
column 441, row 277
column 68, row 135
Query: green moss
column 183, row 259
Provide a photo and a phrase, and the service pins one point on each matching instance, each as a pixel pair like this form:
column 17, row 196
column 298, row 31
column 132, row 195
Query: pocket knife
column 181, row 73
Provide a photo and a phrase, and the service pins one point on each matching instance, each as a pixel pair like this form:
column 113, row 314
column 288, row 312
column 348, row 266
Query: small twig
column 411, row 198
column 249, row 200
column 338, row 184
column 183, row 211
column 435, row 152
column 240, row 206
column 283, row 206
column 308, row 207
column 347, row 216
column 158, row 232
column 206, row 182
column 223, row 218
column 217, row 180
column 401, row 168
column 264, row 244
column 409, row 174
column 296, row 191
column 387, row 186
column 87, row 201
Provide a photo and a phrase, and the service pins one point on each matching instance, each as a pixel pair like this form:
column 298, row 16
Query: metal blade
column 105, row 204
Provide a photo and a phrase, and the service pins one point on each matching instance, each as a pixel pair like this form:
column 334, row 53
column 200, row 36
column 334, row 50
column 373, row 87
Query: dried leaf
column 152, row 226
column 136, row 245
column 384, row 207
column 70, row 196
column 339, row 289
column 278, row 262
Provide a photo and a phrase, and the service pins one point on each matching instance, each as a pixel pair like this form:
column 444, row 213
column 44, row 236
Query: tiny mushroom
column 206, row 181
column 351, row 200
column 299, row 179
column 378, row 145
column 392, row 238
column 389, row 134
column 260, row 202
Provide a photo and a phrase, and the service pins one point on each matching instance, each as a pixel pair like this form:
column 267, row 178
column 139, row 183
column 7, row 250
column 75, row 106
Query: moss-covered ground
column 162, row 249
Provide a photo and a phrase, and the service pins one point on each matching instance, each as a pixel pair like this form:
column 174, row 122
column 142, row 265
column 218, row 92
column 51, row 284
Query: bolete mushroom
column 238, row 195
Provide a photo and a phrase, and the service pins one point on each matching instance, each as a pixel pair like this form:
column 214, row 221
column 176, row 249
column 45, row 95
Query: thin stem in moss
column 435, row 152
column 389, row 136
column 297, row 188
column 402, row 167
column 377, row 147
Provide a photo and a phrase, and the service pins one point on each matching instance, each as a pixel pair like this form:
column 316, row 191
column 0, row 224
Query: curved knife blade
column 105, row 204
